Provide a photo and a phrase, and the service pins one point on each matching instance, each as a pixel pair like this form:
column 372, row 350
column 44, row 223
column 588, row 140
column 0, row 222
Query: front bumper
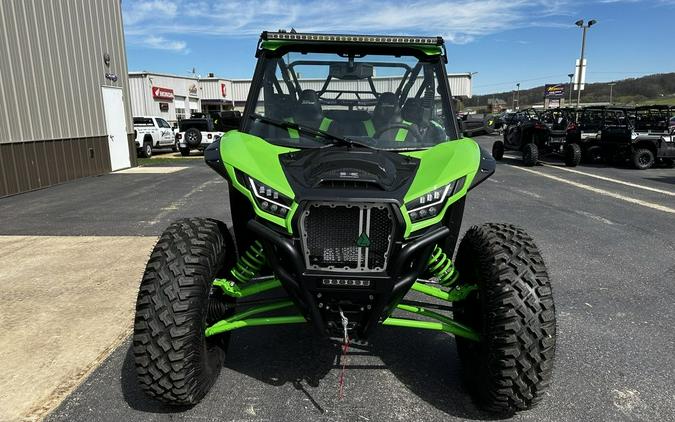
column 322, row 295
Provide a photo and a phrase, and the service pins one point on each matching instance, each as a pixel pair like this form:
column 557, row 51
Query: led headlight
column 430, row 204
column 266, row 198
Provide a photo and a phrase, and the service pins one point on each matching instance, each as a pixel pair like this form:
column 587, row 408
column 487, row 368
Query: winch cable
column 343, row 355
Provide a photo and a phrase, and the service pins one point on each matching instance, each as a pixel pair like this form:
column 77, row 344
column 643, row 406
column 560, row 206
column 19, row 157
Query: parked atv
column 536, row 135
column 343, row 206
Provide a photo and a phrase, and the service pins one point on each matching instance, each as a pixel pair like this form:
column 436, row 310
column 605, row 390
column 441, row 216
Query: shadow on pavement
column 426, row 363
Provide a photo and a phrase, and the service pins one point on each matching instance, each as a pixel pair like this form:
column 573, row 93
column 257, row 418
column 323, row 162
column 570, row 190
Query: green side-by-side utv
column 347, row 182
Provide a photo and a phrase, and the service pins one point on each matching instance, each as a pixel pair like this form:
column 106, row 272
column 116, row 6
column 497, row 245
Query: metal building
column 64, row 98
column 175, row 97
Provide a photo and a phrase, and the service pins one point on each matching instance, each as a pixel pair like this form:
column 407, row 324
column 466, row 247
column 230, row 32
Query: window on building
column 180, row 113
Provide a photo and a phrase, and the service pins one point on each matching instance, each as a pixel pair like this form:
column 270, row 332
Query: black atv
column 534, row 135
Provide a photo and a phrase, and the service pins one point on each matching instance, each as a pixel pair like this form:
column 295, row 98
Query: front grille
column 346, row 237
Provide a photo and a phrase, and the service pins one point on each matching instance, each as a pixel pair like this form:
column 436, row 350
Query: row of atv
column 643, row 136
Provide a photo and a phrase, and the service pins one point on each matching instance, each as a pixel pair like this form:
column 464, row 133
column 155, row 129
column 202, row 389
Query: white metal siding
column 52, row 70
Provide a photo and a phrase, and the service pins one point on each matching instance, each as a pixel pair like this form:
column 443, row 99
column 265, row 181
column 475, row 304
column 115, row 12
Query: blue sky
column 528, row 41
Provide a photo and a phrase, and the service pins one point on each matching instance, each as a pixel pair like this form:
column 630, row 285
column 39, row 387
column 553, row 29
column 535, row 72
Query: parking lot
column 606, row 234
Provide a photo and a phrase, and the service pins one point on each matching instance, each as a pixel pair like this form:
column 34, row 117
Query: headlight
column 430, row 204
column 266, row 198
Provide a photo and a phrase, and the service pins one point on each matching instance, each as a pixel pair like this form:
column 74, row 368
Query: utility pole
column 571, row 75
column 518, row 96
column 580, row 24
column 611, row 91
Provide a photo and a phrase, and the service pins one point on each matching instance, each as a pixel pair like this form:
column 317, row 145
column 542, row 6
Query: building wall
column 52, row 70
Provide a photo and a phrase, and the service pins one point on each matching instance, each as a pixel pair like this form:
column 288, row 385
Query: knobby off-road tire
column 175, row 362
column 498, row 150
column 643, row 159
column 513, row 310
column 530, row 155
column 572, row 155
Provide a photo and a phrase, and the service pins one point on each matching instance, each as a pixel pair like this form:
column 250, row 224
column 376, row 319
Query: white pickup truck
column 152, row 132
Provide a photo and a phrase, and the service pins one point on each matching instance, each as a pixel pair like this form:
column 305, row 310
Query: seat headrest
column 413, row 111
column 309, row 106
column 387, row 109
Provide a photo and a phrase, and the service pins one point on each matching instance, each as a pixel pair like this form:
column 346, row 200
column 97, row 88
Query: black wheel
column 184, row 151
column 498, row 150
column 572, row 155
column 511, row 367
column 642, row 159
column 175, row 146
column 193, row 137
column 530, row 155
column 175, row 362
column 146, row 149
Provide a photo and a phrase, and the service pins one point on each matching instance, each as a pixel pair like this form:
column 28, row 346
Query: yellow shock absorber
column 441, row 267
column 249, row 263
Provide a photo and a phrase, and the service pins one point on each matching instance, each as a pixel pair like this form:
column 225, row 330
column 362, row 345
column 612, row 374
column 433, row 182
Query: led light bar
column 380, row 39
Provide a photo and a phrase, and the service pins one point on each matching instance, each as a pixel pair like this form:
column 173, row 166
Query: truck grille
column 346, row 237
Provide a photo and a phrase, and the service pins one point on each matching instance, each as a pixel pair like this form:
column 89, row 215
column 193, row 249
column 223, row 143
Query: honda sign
column 162, row 93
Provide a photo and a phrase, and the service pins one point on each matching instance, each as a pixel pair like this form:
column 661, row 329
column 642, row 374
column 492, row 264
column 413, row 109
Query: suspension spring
column 442, row 268
column 249, row 264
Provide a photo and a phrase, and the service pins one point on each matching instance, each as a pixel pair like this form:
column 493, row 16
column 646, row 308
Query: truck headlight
column 430, row 204
column 266, row 198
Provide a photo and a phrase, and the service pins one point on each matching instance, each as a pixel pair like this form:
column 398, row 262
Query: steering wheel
column 415, row 133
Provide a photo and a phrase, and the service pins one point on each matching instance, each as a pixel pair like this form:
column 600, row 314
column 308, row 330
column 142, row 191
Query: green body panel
column 440, row 165
column 272, row 45
column 259, row 159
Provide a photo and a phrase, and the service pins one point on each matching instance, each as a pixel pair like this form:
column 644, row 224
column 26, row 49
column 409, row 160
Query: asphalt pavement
column 607, row 235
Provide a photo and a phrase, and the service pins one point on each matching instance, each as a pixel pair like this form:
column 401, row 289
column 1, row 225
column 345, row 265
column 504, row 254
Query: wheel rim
column 148, row 150
column 643, row 159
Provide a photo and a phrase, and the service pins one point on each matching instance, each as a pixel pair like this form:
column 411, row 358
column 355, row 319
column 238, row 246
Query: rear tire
column 512, row 366
column 146, row 149
column 175, row 362
column 184, row 151
column 530, row 155
column 572, row 155
column 642, row 159
column 498, row 150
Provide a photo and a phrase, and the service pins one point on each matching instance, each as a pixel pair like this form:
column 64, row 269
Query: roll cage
column 428, row 52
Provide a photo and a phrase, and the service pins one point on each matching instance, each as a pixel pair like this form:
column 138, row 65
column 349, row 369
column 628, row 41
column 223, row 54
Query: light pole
column 611, row 91
column 580, row 24
column 518, row 96
column 571, row 75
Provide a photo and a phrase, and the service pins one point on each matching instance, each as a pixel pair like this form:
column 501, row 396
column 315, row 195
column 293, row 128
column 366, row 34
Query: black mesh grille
column 331, row 235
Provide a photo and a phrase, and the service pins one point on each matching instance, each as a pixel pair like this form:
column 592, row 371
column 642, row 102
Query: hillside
column 658, row 88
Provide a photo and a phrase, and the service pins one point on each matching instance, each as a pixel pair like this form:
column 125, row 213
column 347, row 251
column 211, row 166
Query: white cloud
column 160, row 43
column 459, row 21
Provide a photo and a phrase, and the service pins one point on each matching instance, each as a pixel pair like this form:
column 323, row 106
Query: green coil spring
column 441, row 267
column 249, row 264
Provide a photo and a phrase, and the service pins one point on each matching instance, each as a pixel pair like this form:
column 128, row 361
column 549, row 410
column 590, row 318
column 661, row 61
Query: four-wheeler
column 641, row 136
column 199, row 131
column 535, row 135
column 476, row 124
column 152, row 132
column 343, row 207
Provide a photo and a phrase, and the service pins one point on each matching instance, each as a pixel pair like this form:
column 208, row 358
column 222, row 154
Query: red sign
column 162, row 93
column 223, row 90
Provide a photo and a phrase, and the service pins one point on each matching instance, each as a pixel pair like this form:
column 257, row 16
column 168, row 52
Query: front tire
column 572, row 155
column 175, row 362
column 643, row 159
column 530, row 154
column 511, row 367
column 498, row 150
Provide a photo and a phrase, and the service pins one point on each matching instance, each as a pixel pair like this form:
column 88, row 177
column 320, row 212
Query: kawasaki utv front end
column 347, row 190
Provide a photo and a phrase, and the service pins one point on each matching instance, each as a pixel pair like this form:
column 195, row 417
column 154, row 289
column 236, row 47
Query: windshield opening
column 382, row 101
